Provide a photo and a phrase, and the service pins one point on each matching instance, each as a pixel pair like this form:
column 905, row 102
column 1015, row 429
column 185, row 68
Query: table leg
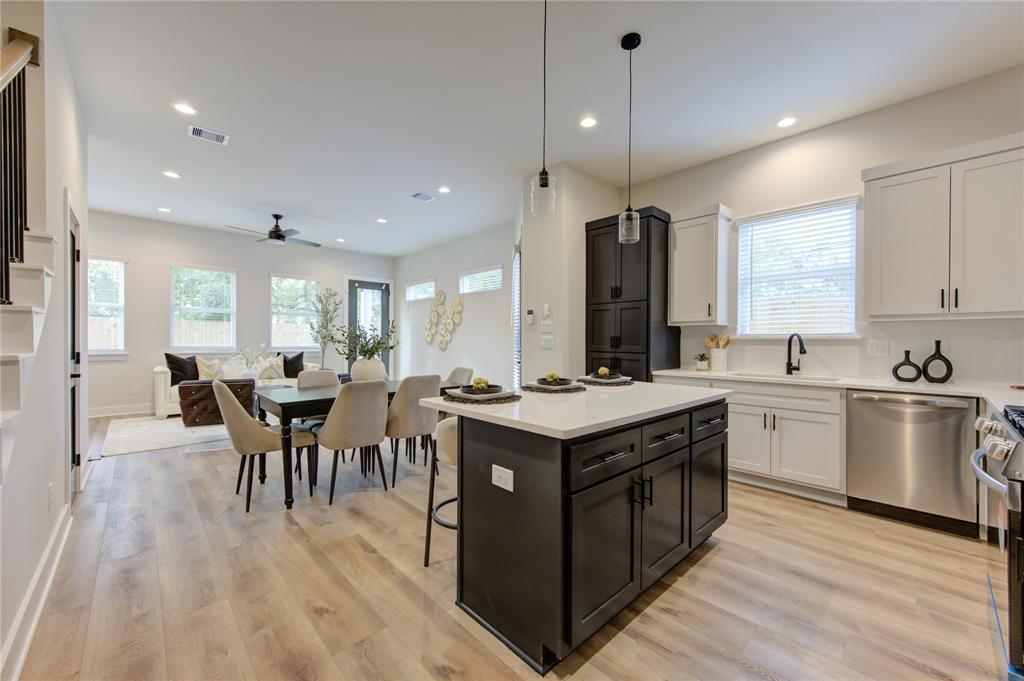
column 286, row 459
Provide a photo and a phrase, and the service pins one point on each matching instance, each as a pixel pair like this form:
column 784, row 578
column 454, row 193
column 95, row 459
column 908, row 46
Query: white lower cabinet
column 806, row 447
column 749, row 439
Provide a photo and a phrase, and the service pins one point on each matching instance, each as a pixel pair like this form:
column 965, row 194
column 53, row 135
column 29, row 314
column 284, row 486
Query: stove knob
column 997, row 429
column 983, row 424
column 997, row 448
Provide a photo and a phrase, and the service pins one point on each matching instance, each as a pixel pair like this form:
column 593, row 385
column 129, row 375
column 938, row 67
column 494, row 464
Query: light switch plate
column 547, row 326
column 547, row 342
column 878, row 348
column 502, row 477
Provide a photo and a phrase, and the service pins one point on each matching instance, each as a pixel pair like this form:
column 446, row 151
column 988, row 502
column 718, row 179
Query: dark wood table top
column 289, row 396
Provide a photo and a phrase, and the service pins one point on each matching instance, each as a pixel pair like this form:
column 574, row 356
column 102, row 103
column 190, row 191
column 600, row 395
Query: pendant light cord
column 544, row 80
column 629, row 139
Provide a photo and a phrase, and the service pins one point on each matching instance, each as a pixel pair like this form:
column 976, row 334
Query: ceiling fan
column 276, row 235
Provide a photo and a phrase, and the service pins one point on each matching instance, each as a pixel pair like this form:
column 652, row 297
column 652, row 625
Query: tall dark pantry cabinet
column 627, row 298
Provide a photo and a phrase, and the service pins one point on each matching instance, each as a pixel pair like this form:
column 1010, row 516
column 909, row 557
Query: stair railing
column 21, row 50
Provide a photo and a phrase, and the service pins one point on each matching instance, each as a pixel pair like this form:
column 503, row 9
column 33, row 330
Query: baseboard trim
column 23, row 628
column 140, row 409
column 797, row 490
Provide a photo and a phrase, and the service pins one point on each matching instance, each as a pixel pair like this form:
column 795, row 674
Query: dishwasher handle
column 983, row 476
column 919, row 401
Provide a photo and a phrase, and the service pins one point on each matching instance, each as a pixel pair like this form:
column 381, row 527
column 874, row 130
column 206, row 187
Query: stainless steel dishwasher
column 907, row 457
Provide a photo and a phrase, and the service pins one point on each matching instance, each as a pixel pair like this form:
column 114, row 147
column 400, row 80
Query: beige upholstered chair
column 249, row 438
column 446, row 450
column 461, row 375
column 315, row 378
column 357, row 421
column 408, row 420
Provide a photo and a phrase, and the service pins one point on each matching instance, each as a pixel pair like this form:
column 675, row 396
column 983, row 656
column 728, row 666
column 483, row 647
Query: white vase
column 719, row 359
column 372, row 369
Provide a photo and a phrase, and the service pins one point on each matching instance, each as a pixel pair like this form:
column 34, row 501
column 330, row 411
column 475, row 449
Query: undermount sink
column 754, row 374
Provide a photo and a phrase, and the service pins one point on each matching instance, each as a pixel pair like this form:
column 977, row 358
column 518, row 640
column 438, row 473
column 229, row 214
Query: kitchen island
column 571, row 505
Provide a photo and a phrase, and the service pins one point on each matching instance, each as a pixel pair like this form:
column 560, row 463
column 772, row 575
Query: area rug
column 127, row 436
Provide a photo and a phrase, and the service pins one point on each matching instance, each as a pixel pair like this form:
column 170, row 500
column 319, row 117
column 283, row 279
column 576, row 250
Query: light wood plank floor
column 165, row 577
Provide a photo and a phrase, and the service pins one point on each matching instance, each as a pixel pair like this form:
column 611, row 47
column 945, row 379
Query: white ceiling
column 339, row 111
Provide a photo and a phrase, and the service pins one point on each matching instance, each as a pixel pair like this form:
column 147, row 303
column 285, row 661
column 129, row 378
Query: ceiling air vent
column 208, row 135
column 425, row 198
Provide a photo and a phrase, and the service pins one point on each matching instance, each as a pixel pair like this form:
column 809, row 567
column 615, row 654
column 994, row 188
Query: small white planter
column 372, row 369
column 719, row 359
column 702, row 366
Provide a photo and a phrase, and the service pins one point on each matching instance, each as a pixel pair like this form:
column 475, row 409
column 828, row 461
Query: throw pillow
column 269, row 367
column 209, row 369
column 182, row 368
column 235, row 366
column 293, row 365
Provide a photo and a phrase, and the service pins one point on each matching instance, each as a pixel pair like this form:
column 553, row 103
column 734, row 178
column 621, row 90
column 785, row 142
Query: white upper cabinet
column 947, row 240
column 907, row 243
column 698, row 268
column 987, row 234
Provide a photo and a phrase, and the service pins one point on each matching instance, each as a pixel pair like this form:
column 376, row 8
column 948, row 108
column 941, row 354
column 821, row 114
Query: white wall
column 483, row 341
column 554, row 269
column 150, row 247
column 32, row 522
column 825, row 163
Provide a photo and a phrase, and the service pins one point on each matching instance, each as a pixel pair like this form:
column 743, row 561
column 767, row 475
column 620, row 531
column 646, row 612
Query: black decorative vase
column 908, row 364
column 937, row 356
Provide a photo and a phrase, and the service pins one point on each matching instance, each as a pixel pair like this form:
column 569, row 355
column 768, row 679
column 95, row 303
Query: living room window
column 420, row 290
column 478, row 281
column 202, row 309
column 292, row 311
column 797, row 271
column 106, row 306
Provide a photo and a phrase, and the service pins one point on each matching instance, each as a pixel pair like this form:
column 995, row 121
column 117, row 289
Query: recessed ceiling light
column 164, row 210
column 382, row 220
column 444, row 189
column 171, row 174
column 340, row 240
column 588, row 122
column 184, row 108
column 786, row 122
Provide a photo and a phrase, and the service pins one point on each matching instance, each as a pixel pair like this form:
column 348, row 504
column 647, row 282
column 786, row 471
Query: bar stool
column 446, row 450
column 249, row 438
column 357, row 420
column 408, row 420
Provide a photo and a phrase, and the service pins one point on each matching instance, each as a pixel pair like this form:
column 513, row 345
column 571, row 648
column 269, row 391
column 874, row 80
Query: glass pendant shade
column 543, row 189
column 629, row 226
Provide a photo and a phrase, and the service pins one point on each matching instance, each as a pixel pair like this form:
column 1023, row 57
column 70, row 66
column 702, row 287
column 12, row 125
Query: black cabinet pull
column 650, row 495
column 668, row 437
column 766, row 420
column 611, row 292
column 709, row 310
column 638, row 498
column 711, row 422
column 956, row 297
column 773, row 421
column 942, row 298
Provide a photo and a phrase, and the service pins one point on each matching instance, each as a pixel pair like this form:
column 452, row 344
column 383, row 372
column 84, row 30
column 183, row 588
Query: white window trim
column 270, row 321
column 405, row 290
column 489, row 268
column 858, row 248
column 122, row 352
column 204, row 349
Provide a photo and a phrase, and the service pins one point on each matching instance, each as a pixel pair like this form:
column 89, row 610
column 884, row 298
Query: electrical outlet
column 547, row 342
column 136, row 390
column 501, row 477
column 49, row 498
column 878, row 348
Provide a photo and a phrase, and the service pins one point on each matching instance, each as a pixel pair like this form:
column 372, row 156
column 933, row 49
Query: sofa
column 166, row 401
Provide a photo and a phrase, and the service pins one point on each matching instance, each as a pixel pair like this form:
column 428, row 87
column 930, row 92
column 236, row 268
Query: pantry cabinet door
column 987, row 234
column 907, row 244
column 806, row 447
column 749, row 439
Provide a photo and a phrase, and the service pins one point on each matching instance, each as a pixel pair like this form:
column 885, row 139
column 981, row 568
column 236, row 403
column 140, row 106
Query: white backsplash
column 989, row 351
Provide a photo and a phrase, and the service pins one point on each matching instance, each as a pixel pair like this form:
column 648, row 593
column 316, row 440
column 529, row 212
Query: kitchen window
column 292, row 312
column 478, row 281
column 106, row 306
column 797, row 271
column 421, row 290
column 202, row 309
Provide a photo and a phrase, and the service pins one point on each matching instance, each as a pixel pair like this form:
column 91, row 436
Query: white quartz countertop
column 997, row 395
column 571, row 415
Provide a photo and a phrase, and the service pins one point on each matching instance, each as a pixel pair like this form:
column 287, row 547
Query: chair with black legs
column 356, row 421
column 251, row 439
column 407, row 420
column 446, row 450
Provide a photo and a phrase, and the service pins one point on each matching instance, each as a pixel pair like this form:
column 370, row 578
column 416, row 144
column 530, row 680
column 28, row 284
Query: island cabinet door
column 605, row 552
column 666, row 534
column 709, row 462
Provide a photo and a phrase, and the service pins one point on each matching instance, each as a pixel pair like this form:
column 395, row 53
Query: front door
column 369, row 303
column 74, row 257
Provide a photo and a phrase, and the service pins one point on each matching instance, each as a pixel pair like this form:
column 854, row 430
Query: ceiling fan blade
column 290, row 232
column 304, row 242
column 243, row 229
column 259, row 241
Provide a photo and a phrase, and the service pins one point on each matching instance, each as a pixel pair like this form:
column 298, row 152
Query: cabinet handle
column 611, row 292
column 668, row 437
column 650, row 496
column 956, row 297
column 942, row 298
column 618, row 291
column 638, row 498
column 709, row 310
column 711, row 422
column 773, row 421
column 766, row 420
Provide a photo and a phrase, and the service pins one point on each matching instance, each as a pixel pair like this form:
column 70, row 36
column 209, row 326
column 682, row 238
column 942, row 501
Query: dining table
column 289, row 402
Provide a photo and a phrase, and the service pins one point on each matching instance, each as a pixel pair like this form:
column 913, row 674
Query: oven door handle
column 983, row 476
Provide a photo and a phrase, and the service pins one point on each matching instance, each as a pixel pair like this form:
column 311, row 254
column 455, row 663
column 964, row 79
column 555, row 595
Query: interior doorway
column 74, row 355
column 369, row 305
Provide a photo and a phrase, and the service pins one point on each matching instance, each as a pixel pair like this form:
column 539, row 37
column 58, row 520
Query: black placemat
column 535, row 389
column 465, row 400
column 591, row 381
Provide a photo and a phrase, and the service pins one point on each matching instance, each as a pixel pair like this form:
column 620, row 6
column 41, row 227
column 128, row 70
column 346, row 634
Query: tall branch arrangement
column 324, row 328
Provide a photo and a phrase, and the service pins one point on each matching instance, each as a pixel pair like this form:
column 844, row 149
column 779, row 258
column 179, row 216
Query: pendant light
column 629, row 219
column 542, row 188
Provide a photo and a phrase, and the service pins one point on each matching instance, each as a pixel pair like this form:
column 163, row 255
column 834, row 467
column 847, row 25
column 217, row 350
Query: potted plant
column 702, row 361
column 365, row 346
column 324, row 330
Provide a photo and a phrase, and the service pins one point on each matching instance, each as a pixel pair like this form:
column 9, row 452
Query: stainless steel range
column 999, row 465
